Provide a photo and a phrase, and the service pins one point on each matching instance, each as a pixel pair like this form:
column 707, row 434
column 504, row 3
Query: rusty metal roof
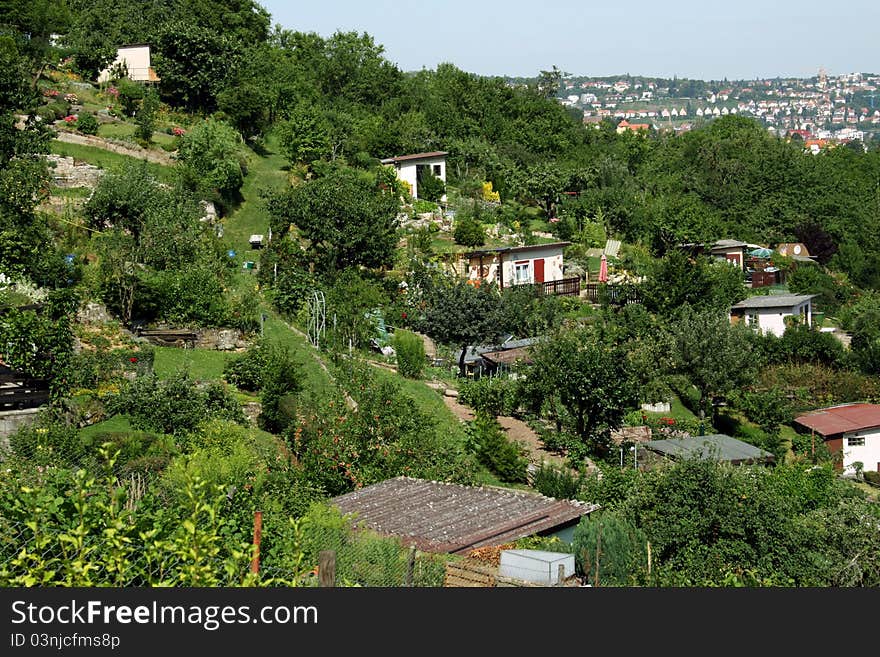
column 442, row 517
column 509, row 356
column 841, row 419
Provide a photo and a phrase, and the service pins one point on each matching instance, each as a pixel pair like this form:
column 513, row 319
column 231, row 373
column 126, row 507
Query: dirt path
column 516, row 430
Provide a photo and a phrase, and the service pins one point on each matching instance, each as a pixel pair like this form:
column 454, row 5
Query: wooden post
column 327, row 568
column 598, row 552
column 560, row 580
column 649, row 558
column 410, row 567
column 258, row 534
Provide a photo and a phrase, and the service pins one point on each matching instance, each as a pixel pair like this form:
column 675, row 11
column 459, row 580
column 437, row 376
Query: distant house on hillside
column 769, row 313
column 625, row 125
column 539, row 264
column 410, row 167
column 733, row 251
column 135, row 58
column 852, row 430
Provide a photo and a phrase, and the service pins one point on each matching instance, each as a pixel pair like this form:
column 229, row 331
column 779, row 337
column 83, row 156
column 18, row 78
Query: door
column 539, row 270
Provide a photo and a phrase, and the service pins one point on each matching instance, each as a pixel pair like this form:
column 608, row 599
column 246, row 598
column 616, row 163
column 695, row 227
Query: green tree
column 590, row 379
column 459, row 314
column 303, row 137
column 213, row 160
column 716, row 356
column 146, row 116
column 193, row 63
column 347, row 221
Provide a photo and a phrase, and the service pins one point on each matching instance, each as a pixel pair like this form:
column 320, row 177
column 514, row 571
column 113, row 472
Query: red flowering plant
column 178, row 132
column 51, row 93
column 70, row 118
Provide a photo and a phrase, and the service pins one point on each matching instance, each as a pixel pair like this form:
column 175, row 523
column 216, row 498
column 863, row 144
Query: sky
column 705, row 39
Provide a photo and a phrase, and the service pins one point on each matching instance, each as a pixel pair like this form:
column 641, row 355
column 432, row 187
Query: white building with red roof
column 850, row 429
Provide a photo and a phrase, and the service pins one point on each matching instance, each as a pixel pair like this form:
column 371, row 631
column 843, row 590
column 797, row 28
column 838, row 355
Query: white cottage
column 408, row 168
column 769, row 313
column 136, row 58
column 852, row 430
column 522, row 265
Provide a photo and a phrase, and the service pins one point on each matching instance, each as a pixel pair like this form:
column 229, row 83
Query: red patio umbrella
column 603, row 270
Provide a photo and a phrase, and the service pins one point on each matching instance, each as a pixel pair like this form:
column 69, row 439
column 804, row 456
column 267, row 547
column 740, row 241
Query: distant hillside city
column 821, row 110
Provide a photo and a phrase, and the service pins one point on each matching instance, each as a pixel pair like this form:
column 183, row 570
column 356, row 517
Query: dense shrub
column 469, row 232
column 610, row 550
column 246, row 370
column 490, row 395
column 556, row 482
column 281, row 381
column 175, row 405
column 410, row 351
column 495, row 451
column 872, row 477
column 87, row 124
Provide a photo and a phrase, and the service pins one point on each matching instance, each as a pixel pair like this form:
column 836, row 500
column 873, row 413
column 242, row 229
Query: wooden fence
column 614, row 294
column 567, row 287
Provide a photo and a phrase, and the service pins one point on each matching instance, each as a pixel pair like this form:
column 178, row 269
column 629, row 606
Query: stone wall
column 157, row 157
column 10, row 421
column 221, row 339
column 67, row 173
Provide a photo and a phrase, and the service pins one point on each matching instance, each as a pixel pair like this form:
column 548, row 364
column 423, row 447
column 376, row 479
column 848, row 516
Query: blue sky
column 687, row 38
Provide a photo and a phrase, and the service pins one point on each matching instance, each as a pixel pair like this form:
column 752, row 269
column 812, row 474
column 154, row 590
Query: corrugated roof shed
column 441, row 517
column 715, row 446
column 509, row 356
column 774, row 301
column 841, row 419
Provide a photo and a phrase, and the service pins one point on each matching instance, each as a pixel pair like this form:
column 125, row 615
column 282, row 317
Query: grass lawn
column 117, row 423
column 429, row 401
column 677, row 410
column 317, row 382
column 250, row 217
column 108, row 160
column 203, row 364
column 120, row 130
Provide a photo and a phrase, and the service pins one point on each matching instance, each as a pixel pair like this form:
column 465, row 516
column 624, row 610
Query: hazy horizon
column 684, row 38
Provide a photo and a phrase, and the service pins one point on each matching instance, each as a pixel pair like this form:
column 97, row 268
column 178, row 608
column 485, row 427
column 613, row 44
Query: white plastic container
column 536, row 565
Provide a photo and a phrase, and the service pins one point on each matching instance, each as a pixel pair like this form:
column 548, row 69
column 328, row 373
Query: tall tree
column 347, row 220
column 715, row 355
column 591, row 379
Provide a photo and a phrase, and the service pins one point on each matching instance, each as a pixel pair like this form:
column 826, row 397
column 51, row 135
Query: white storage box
column 536, row 565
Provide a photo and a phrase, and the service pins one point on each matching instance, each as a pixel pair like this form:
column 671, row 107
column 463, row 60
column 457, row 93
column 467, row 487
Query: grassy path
column 265, row 173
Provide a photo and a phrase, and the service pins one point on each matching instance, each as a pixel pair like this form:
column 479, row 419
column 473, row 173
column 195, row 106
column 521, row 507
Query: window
column 752, row 319
column 522, row 272
column 855, row 441
column 437, row 170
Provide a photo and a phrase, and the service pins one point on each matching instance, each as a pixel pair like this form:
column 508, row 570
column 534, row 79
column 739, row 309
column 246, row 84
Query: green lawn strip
column 202, row 364
column 107, row 159
column 116, row 130
column 250, row 217
column 429, row 401
column 115, row 424
column 317, row 382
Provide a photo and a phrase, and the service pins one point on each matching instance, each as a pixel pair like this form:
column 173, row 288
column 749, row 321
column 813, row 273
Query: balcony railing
column 569, row 287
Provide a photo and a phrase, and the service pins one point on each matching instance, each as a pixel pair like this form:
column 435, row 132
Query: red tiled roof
column 441, row 517
column 841, row 419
